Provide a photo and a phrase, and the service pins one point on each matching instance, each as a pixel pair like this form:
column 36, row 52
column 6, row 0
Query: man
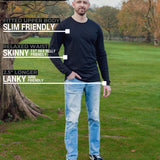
column 84, row 47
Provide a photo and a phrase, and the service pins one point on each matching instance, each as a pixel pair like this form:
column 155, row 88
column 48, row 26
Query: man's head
column 80, row 6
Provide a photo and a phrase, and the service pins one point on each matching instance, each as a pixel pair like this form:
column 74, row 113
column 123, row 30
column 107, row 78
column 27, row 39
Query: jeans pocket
column 70, row 79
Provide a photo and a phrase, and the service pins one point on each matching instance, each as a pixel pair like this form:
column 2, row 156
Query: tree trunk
column 156, row 39
column 109, row 35
column 148, row 37
column 12, row 100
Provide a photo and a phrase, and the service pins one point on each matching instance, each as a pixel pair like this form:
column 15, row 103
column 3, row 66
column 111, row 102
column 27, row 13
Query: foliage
column 27, row 9
column 106, row 17
column 60, row 10
column 132, row 17
column 9, row 117
column 140, row 18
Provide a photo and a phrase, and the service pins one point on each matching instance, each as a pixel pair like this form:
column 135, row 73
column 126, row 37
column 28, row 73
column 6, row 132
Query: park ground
column 130, row 117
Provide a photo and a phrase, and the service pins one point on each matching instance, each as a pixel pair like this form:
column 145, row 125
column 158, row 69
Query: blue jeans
column 73, row 95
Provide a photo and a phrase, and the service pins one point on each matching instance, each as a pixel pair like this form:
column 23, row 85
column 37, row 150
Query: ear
column 73, row 4
column 88, row 4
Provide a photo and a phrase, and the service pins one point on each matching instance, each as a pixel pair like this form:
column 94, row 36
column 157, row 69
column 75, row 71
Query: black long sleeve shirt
column 84, row 47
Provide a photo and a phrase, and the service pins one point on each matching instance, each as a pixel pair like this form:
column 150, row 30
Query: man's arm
column 102, row 62
column 55, row 44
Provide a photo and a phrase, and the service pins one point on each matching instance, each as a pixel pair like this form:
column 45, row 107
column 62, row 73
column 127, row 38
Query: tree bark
column 156, row 39
column 155, row 21
column 148, row 37
column 12, row 100
column 109, row 35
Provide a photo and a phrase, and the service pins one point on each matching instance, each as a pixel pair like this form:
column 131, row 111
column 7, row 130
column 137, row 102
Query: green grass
column 130, row 117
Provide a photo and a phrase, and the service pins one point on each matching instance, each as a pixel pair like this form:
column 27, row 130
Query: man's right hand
column 73, row 75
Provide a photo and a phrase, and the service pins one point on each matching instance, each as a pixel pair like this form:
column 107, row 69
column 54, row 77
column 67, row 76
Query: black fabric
column 84, row 47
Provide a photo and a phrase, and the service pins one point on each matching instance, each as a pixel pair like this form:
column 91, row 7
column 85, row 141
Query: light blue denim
column 73, row 95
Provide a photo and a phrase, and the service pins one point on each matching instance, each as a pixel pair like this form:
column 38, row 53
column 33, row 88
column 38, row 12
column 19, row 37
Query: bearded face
column 81, row 6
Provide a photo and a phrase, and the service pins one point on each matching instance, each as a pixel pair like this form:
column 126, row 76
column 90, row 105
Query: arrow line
column 103, row 83
column 67, row 31
column 65, row 57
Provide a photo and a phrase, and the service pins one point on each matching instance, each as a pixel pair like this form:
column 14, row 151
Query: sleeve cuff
column 68, row 73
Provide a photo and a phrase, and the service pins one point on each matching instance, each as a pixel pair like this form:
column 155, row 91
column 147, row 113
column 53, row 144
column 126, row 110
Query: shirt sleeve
column 55, row 44
column 102, row 57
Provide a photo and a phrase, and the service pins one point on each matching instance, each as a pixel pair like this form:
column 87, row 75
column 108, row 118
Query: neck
column 78, row 18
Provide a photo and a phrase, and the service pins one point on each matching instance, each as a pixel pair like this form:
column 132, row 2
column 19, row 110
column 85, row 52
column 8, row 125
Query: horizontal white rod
column 34, row 57
column 67, row 31
column 33, row 31
column 103, row 83
column 65, row 57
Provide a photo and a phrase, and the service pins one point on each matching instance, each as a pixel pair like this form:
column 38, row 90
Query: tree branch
column 11, row 14
column 18, row 16
column 25, row 4
column 19, row 39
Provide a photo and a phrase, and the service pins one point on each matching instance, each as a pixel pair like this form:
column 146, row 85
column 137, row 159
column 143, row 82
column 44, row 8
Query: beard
column 81, row 11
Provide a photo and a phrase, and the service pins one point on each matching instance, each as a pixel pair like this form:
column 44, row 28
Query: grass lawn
column 130, row 117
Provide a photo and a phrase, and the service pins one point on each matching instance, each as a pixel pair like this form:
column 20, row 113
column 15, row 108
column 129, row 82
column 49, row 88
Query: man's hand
column 73, row 75
column 108, row 89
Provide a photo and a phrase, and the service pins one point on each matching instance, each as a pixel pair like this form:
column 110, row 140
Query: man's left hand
column 106, row 89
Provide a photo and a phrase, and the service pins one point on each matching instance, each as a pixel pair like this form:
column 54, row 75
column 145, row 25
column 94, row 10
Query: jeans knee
column 72, row 118
column 93, row 116
column 94, row 119
column 71, row 125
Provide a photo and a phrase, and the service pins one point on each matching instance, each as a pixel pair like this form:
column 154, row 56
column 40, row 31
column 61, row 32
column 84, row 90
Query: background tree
column 61, row 10
column 140, row 18
column 106, row 17
column 154, row 15
column 133, row 20
column 12, row 100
